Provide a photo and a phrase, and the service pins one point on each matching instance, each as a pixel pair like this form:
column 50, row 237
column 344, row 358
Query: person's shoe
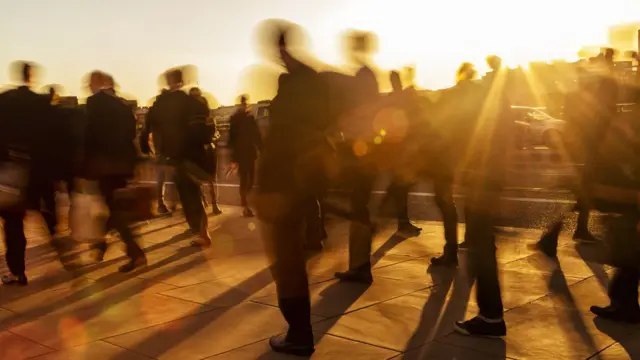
column 162, row 209
column 19, row 280
column 358, row 276
column 617, row 314
column 464, row 245
column 247, row 213
column 448, row 260
column 408, row 229
column 280, row 344
column 201, row 241
column 544, row 247
column 215, row 210
column 99, row 249
column 479, row 326
column 133, row 264
column 585, row 237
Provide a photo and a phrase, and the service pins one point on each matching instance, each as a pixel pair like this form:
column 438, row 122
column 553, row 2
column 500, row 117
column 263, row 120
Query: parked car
column 538, row 128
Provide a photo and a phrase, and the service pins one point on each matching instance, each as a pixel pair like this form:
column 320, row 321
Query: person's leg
column 160, row 180
column 191, row 197
column 288, row 268
column 623, row 288
column 313, row 228
column 445, row 202
column 48, row 210
column 484, row 267
column 361, row 228
column 16, row 246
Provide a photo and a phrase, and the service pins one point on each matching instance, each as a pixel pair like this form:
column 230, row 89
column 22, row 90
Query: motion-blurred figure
column 590, row 113
column 110, row 158
column 290, row 172
column 245, row 142
column 23, row 149
column 615, row 190
column 364, row 170
column 180, row 121
column 483, row 162
column 210, row 161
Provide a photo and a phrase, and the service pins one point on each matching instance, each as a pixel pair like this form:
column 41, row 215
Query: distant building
column 624, row 37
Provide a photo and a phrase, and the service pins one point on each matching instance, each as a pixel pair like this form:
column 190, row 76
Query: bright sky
column 135, row 40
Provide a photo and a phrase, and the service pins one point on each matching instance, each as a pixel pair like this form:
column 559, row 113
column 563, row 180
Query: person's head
column 396, row 83
column 494, row 62
column 174, row 79
column 609, row 54
column 96, row 81
column 195, row 92
column 243, row 101
column 108, row 83
column 466, row 71
column 26, row 73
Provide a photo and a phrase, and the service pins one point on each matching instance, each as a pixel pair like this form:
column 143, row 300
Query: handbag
column 88, row 213
column 14, row 178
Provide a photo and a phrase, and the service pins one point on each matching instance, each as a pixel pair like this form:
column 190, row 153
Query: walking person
column 22, row 154
column 110, row 158
column 290, row 173
column 245, row 143
column 181, row 122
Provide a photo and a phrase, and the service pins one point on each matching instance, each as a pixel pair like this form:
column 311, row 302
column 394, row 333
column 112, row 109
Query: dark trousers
column 623, row 289
column 443, row 196
column 285, row 247
column 362, row 180
column 246, row 171
column 15, row 241
column 190, row 197
column 483, row 263
column 118, row 219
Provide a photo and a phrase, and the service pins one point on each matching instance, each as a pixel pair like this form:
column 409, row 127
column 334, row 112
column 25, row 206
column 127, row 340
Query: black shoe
column 247, row 213
column 162, row 209
column 481, row 327
column 133, row 264
column 359, row 276
column 99, row 249
column 548, row 250
column 617, row 314
column 280, row 344
column 448, row 260
column 463, row 245
column 409, row 229
column 19, row 280
column 215, row 210
column 585, row 237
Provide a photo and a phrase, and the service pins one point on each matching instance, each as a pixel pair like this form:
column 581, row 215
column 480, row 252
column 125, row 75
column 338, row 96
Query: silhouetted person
column 590, row 112
column 615, row 190
column 161, row 160
column 289, row 175
column 245, row 142
column 110, row 157
column 364, row 171
column 23, row 154
column 181, row 123
column 401, row 184
column 210, row 161
column 482, row 158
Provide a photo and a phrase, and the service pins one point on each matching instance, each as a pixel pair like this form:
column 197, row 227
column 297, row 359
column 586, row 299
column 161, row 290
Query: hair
column 174, row 76
column 466, row 71
column 195, row 89
column 244, row 99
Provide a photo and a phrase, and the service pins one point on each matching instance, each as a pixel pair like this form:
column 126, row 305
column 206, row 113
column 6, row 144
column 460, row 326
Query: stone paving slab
column 220, row 303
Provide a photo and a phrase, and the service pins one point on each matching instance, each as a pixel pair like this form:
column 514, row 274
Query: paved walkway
column 220, row 303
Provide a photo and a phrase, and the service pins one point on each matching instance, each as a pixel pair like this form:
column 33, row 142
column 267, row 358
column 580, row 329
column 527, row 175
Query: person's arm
column 148, row 129
column 255, row 133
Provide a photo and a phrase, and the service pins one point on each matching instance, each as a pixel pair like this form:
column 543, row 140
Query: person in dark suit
column 245, row 142
column 289, row 176
column 181, row 122
column 23, row 134
column 110, row 158
column 210, row 161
